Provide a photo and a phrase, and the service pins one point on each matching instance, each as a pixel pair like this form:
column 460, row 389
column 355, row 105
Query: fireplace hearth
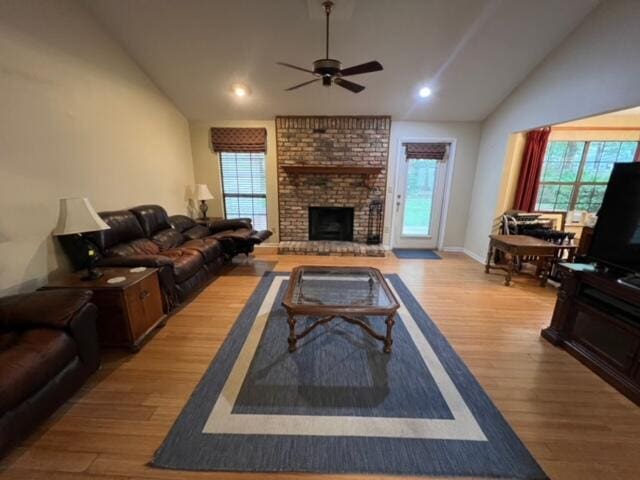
column 331, row 223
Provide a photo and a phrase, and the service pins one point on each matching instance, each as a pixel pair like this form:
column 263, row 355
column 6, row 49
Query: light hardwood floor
column 576, row 425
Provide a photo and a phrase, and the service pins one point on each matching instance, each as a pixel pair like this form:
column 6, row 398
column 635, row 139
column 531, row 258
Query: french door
column 418, row 203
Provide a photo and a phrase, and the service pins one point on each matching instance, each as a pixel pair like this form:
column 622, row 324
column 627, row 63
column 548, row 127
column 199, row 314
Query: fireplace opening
column 331, row 223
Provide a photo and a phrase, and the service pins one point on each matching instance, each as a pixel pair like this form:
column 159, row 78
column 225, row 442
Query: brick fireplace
column 332, row 162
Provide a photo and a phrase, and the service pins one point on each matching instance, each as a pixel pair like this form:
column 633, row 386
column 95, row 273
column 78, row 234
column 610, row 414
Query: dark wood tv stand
column 597, row 320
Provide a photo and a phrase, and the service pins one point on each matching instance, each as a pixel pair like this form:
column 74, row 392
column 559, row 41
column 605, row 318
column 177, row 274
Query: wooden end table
column 350, row 293
column 128, row 311
column 523, row 245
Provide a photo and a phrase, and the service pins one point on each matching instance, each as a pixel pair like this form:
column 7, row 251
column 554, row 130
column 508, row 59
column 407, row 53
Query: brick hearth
column 324, row 247
column 330, row 142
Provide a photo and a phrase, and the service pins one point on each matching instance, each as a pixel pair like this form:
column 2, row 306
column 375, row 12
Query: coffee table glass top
column 340, row 286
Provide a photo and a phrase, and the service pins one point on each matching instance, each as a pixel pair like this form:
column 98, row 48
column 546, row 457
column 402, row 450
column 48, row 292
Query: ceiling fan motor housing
column 327, row 67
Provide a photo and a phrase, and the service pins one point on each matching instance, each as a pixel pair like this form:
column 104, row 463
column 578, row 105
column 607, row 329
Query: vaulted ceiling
column 471, row 53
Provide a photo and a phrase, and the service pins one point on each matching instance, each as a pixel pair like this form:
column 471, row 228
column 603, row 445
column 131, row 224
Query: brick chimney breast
column 330, row 141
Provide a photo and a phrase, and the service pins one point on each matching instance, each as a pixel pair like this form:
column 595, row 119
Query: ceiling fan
column 330, row 70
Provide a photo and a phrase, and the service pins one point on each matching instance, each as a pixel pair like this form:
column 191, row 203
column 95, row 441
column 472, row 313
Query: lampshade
column 78, row 216
column 202, row 192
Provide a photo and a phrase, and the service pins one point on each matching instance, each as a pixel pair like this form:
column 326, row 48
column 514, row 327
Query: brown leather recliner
column 236, row 235
column 48, row 348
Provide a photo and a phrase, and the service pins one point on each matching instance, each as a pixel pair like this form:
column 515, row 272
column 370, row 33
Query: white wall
column 467, row 136
column 78, row 118
column 596, row 70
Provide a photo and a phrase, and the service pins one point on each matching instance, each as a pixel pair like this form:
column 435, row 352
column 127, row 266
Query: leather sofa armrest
column 45, row 308
column 261, row 236
column 151, row 261
column 82, row 328
column 222, row 225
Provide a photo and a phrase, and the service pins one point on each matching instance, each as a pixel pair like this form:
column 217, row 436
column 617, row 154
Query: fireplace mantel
column 327, row 169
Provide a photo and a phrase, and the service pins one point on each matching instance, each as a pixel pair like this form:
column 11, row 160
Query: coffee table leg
column 292, row 333
column 390, row 321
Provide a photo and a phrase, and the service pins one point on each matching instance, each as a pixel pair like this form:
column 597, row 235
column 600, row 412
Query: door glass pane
column 418, row 199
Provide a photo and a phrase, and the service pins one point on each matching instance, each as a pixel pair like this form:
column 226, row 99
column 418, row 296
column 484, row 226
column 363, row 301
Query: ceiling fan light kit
column 329, row 70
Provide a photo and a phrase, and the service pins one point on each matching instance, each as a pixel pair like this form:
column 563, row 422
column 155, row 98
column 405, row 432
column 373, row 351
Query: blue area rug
column 339, row 404
column 416, row 254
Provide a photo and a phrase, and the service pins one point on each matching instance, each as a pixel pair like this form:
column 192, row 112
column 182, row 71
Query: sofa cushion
column 185, row 262
column 141, row 246
column 218, row 226
column 152, row 218
column 167, row 239
column 124, row 228
column 182, row 223
column 199, row 231
column 209, row 248
column 29, row 359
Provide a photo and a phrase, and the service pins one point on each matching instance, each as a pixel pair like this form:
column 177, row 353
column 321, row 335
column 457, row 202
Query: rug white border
column 221, row 420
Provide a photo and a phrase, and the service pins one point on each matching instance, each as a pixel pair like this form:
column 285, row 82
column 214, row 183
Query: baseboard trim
column 453, row 249
column 474, row 256
column 468, row 253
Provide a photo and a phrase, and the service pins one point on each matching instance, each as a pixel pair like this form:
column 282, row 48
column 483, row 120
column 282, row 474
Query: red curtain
column 530, row 170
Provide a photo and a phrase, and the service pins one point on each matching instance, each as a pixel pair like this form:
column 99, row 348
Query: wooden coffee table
column 350, row 293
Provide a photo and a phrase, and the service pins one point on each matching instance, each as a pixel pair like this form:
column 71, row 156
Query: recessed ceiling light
column 424, row 92
column 240, row 90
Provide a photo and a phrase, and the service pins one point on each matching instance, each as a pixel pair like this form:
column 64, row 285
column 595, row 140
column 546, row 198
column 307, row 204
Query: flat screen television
column 616, row 238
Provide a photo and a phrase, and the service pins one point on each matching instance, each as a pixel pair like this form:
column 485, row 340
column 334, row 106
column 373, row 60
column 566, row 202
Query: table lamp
column 203, row 194
column 76, row 217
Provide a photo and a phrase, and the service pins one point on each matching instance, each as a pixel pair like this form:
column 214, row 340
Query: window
column 575, row 174
column 244, row 187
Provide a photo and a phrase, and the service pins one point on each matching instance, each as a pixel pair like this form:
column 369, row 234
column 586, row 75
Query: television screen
column 616, row 238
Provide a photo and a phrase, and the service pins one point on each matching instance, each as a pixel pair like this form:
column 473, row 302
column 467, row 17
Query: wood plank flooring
column 576, row 425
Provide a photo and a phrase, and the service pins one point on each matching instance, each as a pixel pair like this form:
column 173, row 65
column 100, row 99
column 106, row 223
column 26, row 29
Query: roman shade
column 239, row 140
column 427, row 151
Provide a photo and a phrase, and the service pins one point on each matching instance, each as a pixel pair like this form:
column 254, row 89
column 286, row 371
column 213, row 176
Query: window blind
column 244, row 186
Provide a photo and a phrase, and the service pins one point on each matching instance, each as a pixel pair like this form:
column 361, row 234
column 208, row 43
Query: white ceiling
column 472, row 53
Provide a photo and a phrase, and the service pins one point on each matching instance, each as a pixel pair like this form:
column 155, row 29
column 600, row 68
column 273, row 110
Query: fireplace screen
column 331, row 223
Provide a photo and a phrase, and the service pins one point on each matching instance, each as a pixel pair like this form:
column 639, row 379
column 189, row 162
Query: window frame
column 578, row 183
column 244, row 195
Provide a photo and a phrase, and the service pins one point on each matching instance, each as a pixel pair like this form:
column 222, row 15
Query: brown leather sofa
column 187, row 255
column 48, row 348
column 236, row 235
column 143, row 236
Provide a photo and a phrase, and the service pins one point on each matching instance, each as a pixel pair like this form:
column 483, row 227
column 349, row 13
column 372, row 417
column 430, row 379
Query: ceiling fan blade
column 354, row 87
column 362, row 68
column 295, row 68
column 302, row 84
